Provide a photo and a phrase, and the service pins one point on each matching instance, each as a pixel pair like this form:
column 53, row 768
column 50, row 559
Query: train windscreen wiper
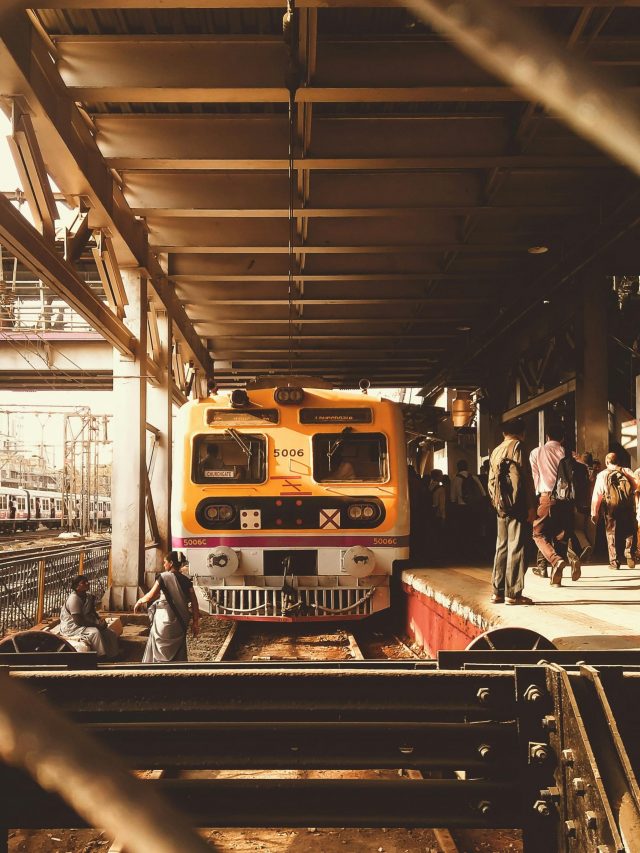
column 235, row 435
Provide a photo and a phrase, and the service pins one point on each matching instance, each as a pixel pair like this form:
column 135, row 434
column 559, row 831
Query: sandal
column 496, row 598
column 520, row 599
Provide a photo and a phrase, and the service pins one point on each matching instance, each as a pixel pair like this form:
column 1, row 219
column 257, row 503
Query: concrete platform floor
column 600, row 611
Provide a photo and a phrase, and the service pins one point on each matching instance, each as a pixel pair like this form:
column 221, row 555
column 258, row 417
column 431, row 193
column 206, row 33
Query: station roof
column 413, row 204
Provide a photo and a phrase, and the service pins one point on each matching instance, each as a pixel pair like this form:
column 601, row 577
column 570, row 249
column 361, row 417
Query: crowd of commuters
column 523, row 502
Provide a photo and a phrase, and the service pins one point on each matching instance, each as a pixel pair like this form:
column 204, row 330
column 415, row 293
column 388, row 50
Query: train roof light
column 284, row 396
column 239, row 398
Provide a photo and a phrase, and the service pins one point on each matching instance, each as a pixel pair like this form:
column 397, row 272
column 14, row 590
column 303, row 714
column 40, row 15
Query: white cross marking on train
column 329, row 518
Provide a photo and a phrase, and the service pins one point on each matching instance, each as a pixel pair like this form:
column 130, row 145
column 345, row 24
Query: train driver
column 213, row 463
column 343, row 466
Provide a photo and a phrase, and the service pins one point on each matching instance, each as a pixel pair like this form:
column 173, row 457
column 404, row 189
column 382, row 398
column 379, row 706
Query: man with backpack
column 512, row 494
column 553, row 528
column 614, row 490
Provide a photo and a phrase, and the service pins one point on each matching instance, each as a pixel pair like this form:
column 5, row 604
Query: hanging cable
column 291, row 79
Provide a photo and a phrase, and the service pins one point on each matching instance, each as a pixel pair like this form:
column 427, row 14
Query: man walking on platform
column 553, row 527
column 512, row 495
column 615, row 490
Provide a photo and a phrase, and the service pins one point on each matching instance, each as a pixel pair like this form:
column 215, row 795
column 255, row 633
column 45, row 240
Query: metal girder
column 180, row 693
column 400, row 193
column 33, row 175
column 284, row 802
column 171, row 69
column 280, row 4
column 77, row 380
column 39, row 255
column 195, row 141
column 73, row 159
column 311, row 745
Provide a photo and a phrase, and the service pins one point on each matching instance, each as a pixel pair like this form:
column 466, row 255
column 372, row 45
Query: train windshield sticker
column 244, row 416
column 336, row 416
column 329, row 519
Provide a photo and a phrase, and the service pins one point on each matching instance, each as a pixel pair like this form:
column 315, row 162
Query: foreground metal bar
column 550, row 750
column 215, row 693
column 64, row 760
column 285, row 802
column 510, row 44
column 485, row 747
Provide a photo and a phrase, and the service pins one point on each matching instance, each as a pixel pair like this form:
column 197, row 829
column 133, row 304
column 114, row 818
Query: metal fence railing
column 34, row 587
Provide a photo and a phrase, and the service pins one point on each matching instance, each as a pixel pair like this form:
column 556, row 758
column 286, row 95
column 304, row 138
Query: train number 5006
column 288, row 451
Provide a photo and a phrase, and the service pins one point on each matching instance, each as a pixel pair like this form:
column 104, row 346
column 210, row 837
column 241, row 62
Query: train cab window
column 342, row 457
column 232, row 457
column 4, row 502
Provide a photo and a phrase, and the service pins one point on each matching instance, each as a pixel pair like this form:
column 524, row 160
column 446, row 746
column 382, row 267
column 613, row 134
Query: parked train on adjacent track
column 28, row 509
column 291, row 502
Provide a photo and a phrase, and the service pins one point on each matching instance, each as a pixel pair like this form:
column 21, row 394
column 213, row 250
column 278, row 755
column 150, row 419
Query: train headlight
column 284, row 396
column 222, row 562
column 362, row 512
column 358, row 561
column 219, row 512
column 225, row 512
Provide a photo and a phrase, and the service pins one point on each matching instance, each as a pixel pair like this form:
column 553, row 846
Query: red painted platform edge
column 433, row 626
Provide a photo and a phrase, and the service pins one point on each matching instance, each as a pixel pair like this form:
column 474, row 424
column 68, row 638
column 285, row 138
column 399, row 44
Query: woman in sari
column 173, row 595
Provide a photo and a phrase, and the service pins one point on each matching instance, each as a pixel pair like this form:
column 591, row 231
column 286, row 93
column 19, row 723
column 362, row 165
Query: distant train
column 290, row 502
column 27, row 509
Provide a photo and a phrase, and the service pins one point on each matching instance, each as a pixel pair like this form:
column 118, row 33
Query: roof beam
column 280, row 4
column 74, row 161
column 39, row 255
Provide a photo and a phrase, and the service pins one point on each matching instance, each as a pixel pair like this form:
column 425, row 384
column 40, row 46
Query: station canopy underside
column 381, row 227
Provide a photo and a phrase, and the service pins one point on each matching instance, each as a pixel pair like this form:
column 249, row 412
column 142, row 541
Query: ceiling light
column 538, row 250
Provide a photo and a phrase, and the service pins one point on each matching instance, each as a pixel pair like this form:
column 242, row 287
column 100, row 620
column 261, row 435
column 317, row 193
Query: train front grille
column 301, row 602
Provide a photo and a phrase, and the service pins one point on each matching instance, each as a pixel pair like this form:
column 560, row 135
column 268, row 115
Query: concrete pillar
column 129, row 452
column 592, row 387
column 159, row 415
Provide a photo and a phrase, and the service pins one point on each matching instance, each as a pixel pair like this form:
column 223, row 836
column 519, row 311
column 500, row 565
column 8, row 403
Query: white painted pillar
column 159, row 415
column 129, row 452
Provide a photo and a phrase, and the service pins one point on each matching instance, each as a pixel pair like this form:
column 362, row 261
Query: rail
column 549, row 749
column 33, row 587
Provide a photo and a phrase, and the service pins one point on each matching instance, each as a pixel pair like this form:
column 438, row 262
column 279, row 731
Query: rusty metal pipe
column 65, row 760
column 509, row 43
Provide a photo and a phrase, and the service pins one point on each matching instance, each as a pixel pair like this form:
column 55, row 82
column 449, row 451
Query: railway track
column 248, row 641
column 59, row 546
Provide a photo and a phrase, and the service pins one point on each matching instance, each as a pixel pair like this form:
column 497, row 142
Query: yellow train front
column 290, row 503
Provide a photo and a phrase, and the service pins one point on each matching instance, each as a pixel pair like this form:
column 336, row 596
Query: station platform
column 449, row 607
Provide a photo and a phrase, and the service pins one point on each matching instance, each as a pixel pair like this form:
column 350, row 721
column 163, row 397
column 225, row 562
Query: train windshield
column 231, row 457
column 350, row 456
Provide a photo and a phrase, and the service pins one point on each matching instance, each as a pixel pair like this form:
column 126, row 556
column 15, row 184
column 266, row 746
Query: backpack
column 505, row 484
column 564, row 490
column 471, row 493
column 618, row 494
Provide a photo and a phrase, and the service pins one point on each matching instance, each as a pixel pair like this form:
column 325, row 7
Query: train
column 290, row 501
column 28, row 509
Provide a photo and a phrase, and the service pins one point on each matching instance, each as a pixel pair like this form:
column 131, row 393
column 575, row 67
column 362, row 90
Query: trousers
column 509, row 564
column 553, row 529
